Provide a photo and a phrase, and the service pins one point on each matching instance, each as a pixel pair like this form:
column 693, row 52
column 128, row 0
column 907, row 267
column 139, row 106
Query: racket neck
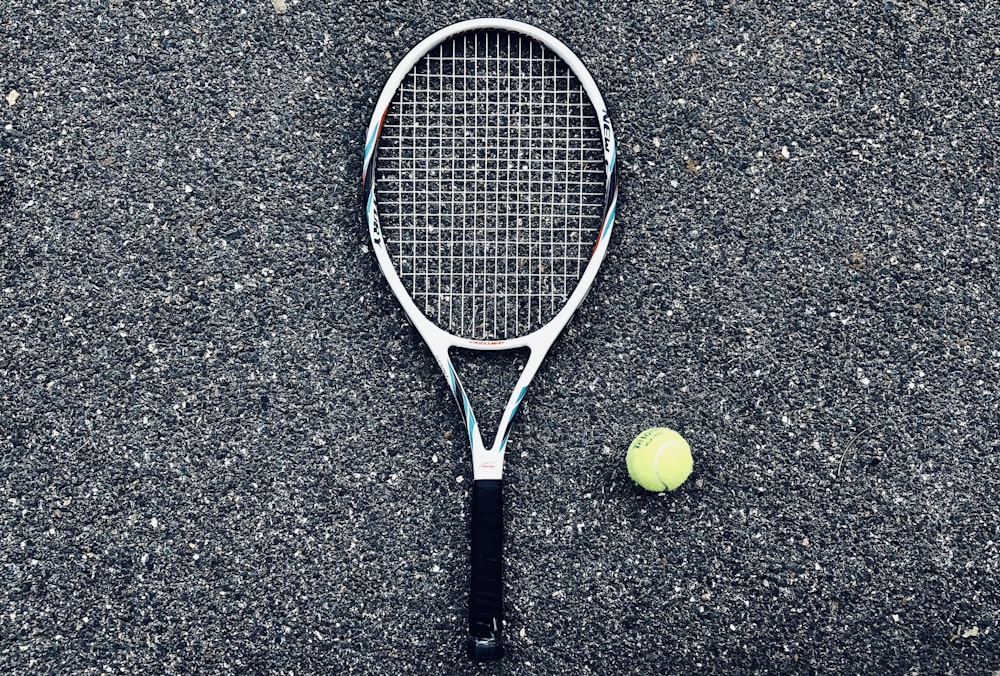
column 487, row 461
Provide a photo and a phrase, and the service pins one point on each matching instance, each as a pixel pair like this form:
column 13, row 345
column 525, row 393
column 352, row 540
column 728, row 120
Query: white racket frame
column 488, row 461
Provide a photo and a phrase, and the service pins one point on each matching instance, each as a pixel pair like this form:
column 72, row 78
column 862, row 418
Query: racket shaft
column 486, row 594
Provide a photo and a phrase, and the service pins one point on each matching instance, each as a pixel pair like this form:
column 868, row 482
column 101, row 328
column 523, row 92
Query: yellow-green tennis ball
column 659, row 459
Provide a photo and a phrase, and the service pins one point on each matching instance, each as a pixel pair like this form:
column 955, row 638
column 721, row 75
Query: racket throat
column 488, row 460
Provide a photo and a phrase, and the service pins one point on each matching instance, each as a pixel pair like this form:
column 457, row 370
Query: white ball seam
column 656, row 462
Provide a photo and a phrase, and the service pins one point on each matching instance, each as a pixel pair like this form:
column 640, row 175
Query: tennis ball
column 659, row 459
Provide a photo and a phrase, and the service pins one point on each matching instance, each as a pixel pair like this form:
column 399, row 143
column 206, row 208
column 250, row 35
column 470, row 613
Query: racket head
column 490, row 184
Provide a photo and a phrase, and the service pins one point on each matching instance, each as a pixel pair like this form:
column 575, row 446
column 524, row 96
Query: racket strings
column 490, row 181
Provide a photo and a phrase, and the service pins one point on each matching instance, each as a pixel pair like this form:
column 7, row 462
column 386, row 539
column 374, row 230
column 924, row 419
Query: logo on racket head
column 376, row 229
column 606, row 123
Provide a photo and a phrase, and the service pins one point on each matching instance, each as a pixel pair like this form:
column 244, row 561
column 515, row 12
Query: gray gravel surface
column 224, row 450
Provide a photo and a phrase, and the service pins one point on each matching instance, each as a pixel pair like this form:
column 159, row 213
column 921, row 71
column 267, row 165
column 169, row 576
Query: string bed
column 490, row 182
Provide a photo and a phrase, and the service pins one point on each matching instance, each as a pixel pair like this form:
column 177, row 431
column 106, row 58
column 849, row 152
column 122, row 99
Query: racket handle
column 486, row 593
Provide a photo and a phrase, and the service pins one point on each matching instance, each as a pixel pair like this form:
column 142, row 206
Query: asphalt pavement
column 223, row 449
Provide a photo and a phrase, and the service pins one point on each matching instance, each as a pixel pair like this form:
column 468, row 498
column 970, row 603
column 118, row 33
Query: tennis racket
column 489, row 190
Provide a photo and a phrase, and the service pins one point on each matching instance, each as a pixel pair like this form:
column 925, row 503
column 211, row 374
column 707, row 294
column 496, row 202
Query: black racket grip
column 486, row 592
